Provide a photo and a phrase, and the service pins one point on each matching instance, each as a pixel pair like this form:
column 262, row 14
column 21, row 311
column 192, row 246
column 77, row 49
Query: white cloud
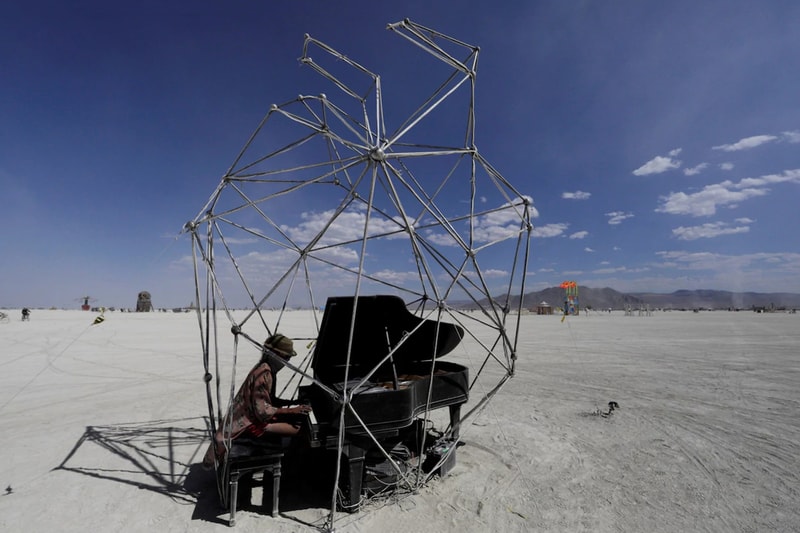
column 550, row 230
column 676, row 152
column 612, row 270
column 616, row 217
column 493, row 233
column 735, row 265
column 706, row 201
column 502, row 223
column 746, row 143
column 659, row 164
column 506, row 214
column 440, row 239
column 234, row 240
column 790, row 176
column 495, row 273
column 395, row 276
column 499, row 224
column 726, row 166
column 261, row 267
column 347, row 227
column 745, row 220
column 577, row 195
column 791, row 136
column 589, row 250
column 707, row 231
column 695, row 169
column 579, row 235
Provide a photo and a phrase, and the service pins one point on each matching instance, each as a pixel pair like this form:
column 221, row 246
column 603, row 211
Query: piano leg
column 455, row 420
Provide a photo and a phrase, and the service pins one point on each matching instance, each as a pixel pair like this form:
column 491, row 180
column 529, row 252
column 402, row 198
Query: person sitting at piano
column 256, row 411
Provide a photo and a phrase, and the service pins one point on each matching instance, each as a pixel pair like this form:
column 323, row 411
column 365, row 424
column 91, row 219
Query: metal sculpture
column 144, row 303
column 326, row 199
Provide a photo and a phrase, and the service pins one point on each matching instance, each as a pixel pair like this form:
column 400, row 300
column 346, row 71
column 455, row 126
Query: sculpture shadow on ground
column 164, row 456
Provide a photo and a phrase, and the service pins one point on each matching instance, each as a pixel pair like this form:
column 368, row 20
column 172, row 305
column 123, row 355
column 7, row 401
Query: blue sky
column 659, row 141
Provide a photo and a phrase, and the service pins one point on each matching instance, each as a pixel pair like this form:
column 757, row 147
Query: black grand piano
column 390, row 377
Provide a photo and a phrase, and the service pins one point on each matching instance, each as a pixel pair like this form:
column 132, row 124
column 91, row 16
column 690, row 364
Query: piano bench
column 244, row 460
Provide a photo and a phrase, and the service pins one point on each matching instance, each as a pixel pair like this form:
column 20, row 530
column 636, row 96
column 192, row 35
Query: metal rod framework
column 346, row 208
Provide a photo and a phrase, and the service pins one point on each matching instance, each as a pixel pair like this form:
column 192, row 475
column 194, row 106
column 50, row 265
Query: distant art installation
column 143, row 303
column 85, row 305
column 571, row 305
column 336, row 200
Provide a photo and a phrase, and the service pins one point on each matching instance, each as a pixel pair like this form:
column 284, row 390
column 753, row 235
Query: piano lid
column 381, row 322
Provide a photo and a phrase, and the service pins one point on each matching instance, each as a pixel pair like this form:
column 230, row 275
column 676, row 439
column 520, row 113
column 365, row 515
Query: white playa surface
column 103, row 429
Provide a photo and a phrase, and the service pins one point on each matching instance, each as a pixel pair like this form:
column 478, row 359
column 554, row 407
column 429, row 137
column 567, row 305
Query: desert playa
column 104, row 427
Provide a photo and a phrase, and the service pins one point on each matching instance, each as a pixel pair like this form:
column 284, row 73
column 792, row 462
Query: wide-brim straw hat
column 281, row 344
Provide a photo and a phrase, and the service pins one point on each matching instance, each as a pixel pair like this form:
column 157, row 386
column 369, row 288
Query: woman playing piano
column 255, row 411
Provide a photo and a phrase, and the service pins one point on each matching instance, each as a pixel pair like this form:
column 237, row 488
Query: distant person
column 256, row 412
column 26, row 314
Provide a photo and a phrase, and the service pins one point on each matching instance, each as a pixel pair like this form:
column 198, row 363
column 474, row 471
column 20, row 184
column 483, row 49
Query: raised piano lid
column 381, row 322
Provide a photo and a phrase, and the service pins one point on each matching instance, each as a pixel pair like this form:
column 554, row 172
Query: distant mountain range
column 684, row 299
